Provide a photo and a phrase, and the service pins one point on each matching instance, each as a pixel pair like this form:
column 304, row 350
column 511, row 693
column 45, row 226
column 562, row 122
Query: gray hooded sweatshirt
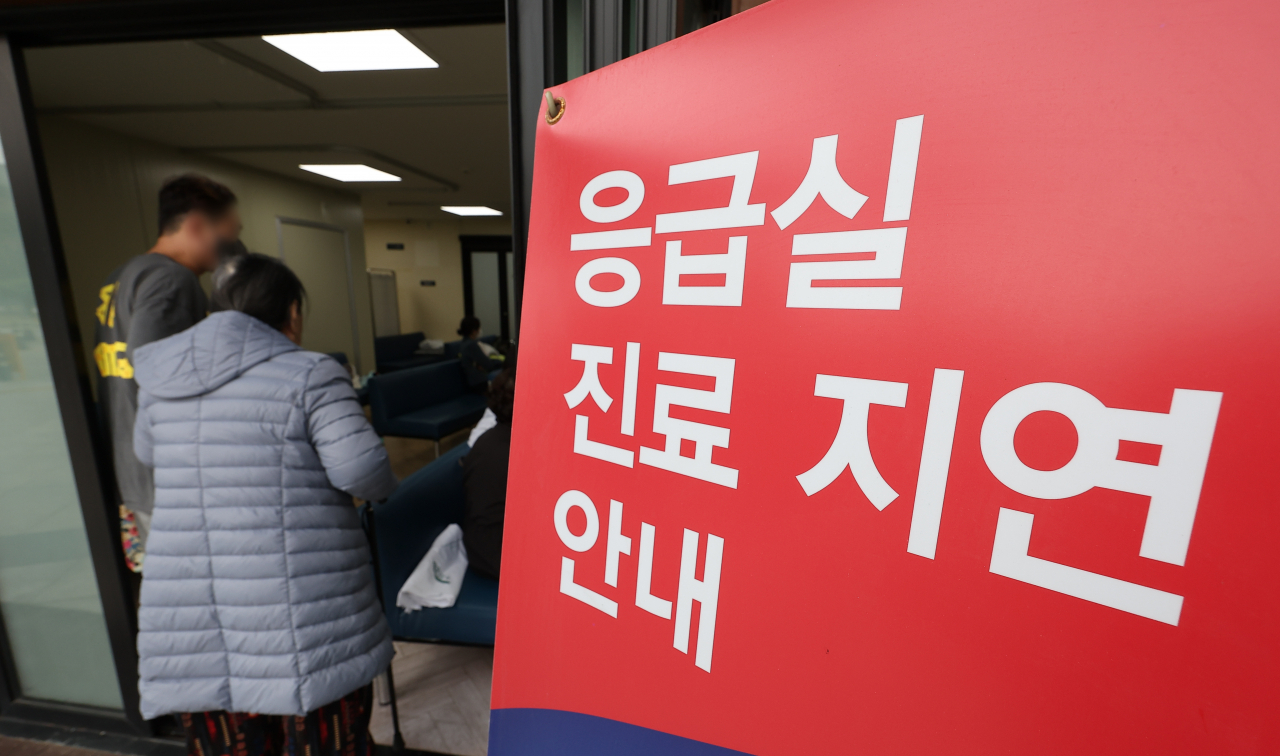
column 257, row 590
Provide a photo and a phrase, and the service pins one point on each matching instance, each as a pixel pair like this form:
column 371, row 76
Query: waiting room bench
column 394, row 353
column 424, row 402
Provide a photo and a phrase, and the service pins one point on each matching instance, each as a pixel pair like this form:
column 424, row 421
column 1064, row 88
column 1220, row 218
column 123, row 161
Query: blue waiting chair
column 401, row 530
column 400, row 352
column 424, row 402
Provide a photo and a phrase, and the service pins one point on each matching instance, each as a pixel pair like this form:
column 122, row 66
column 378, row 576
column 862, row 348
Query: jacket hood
column 207, row 355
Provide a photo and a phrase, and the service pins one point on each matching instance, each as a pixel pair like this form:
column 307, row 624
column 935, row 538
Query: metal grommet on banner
column 555, row 109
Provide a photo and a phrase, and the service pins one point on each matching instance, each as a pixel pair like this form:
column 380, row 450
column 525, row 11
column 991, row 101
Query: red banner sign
column 899, row 377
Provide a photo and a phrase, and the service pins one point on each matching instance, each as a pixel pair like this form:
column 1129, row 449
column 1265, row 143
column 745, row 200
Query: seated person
column 484, row 481
column 488, row 419
column 478, row 359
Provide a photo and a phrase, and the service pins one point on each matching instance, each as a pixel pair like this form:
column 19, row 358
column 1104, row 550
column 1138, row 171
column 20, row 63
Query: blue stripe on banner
column 548, row 732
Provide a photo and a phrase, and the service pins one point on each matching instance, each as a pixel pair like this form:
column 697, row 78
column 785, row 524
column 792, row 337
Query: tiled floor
column 442, row 691
column 443, row 696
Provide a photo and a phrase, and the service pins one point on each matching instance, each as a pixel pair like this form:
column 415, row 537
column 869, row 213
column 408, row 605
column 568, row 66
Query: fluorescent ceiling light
column 471, row 210
column 381, row 50
column 356, row 172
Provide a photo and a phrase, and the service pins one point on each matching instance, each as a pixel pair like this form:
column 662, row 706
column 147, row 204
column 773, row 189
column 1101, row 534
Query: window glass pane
column 485, row 291
column 574, row 37
column 48, row 594
column 511, row 294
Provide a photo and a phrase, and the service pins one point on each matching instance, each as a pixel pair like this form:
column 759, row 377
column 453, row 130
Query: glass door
column 50, row 608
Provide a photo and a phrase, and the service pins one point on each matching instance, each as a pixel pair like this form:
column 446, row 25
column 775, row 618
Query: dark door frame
column 39, row 23
column 502, row 245
column 90, row 463
column 537, row 60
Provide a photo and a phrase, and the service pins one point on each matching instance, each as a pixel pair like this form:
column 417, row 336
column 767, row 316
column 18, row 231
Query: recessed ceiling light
column 356, row 172
column 470, row 210
column 380, row 50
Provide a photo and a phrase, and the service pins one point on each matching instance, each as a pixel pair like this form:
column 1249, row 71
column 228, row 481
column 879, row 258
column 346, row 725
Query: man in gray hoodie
column 152, row 296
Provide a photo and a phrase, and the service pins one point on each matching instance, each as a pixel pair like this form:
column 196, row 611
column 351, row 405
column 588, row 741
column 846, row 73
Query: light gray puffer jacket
column 257, row 591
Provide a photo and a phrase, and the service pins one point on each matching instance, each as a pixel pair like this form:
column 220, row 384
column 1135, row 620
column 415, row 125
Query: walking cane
column 371, row 529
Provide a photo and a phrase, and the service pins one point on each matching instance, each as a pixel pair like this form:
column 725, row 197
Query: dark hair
column 502, row 394
column 469, row 324
column 192, row 192
column 258, row 285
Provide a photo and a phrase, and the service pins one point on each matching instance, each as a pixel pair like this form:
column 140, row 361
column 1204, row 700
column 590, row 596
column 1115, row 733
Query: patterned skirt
column 337, row 729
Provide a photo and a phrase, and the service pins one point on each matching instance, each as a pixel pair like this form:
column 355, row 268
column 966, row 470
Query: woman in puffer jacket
column 259, row 621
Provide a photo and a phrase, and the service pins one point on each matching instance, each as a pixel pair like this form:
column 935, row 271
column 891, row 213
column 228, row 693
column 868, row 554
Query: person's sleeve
column 143, row 447
column 352, row 454
column 162, row 306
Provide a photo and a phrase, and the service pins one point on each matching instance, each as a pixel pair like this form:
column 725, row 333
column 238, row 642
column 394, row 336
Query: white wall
column 105, row 188
column 431, row 252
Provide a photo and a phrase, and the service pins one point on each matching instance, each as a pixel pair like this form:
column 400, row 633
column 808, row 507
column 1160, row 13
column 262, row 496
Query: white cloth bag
column 437, row 579
column 487, row 421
